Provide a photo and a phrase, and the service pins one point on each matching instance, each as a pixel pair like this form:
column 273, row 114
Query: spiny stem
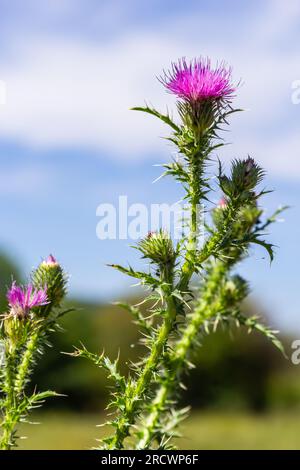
column 211, row 246
column 8, row 423
column 15, row 385
column 25, row 364
column 133, row 402
column 196, row 170
column 195, row 189
column 183, row 347
column 8, row 428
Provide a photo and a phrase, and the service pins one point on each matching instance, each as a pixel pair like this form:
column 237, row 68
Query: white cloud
column 63, row 92
column 68, row 93
column 279, row 156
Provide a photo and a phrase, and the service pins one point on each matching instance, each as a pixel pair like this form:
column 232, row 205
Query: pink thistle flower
column 22, row 299
column 50, row 261
column 197, row 80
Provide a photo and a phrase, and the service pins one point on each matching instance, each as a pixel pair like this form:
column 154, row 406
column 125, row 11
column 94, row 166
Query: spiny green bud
column 236, row 289
column 14, row 330
column 50, row 274
column 248, row 218
column 218, row 212
column 158, row 247
column 197, row 116
column 225, row 184
column 245, row 176
column 245, row 221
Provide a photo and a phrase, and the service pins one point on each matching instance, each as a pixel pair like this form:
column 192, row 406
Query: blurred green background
column 243, row 393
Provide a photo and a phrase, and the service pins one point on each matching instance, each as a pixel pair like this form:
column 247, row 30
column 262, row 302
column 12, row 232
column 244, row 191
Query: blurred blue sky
column 68, row 141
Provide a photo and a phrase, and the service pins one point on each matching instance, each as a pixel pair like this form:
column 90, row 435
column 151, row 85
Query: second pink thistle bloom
column 22, row 299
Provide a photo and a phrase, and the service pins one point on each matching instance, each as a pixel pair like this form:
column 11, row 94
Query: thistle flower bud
column 225, row 184
column 248, row 217
column 50, row 273
column 158, row 247
column 237, row 289
column 50, row 261
column 245, row 176
column 218, row 212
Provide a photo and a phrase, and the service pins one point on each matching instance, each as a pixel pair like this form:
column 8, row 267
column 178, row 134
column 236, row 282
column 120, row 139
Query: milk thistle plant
column 32, row 313
column 192, row 288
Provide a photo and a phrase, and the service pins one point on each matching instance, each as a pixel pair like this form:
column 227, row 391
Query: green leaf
column 264, row 244
column 163, row 117
column 273, row 218
column 37, row 398
column 253, row 324
column 144, row 277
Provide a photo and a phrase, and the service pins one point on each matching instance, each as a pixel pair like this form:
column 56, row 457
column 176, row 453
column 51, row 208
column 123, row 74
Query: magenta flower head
column 198, row 81
column 22, row 299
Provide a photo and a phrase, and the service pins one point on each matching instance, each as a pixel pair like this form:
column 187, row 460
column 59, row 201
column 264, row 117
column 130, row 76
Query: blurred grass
column 206, row 430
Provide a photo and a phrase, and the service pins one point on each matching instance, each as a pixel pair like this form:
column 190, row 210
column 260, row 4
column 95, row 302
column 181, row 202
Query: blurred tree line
column 243, row 371
column 8, row 271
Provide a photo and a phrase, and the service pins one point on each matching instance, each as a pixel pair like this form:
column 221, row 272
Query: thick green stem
column 211, row 246
column 14, row 386
column 25, row 364
column 138, row 388
column 8, row 422
column 8, row 429
column 188, row 267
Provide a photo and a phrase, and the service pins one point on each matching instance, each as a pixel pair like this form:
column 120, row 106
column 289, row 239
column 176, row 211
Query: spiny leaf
column 146, row 278
column 253, row 324
column 264, row 244
column 163, row 117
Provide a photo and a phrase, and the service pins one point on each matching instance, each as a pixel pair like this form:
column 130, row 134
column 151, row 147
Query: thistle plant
column 192, row 287
column 32, row 314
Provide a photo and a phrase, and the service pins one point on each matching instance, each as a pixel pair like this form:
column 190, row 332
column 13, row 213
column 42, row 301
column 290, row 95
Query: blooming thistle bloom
column 22, row 299
column 197, row 81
